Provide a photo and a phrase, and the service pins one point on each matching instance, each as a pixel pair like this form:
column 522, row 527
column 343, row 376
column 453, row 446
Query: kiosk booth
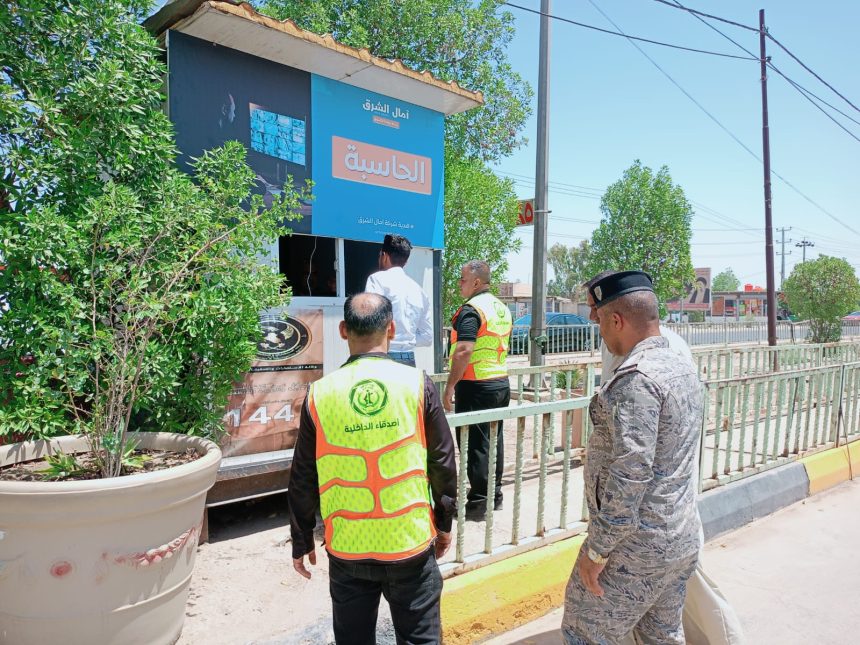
column 368, row 132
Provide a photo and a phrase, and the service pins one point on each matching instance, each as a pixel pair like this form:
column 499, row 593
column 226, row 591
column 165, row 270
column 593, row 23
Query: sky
column 610, row 106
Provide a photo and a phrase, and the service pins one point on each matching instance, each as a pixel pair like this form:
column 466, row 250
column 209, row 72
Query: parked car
column 854, row 316
column 565, row 333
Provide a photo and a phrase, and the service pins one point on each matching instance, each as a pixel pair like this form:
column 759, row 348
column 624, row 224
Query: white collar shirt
column 413, row 326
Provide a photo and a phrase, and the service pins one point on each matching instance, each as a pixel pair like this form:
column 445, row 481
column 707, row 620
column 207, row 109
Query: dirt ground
column 245, row 590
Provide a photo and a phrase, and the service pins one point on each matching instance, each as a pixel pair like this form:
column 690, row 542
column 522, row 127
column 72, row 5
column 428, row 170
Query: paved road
column 792, row 577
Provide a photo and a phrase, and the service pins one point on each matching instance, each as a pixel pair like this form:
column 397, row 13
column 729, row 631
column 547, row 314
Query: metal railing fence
column 753, row 420
column 582, row 338
column 758, row 422
column 728, row 362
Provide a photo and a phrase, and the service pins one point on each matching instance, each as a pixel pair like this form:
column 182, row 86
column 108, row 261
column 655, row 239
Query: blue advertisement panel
column 377, row 166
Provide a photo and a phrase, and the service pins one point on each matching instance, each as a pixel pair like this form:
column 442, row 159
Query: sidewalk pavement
column 792, row 577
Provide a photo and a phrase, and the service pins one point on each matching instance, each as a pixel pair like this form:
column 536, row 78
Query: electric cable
column 729, row 132
column 615, row 33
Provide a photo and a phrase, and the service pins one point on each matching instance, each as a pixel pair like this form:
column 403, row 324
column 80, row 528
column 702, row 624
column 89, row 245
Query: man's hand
column 299, row 564
column 448, row 398
column 589, row 571
column 443, row 543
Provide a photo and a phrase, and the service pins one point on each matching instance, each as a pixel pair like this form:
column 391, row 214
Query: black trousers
column 478, row 395
column 412, row 591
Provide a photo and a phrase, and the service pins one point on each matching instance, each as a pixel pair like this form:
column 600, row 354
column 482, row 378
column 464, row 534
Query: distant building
column 518, row 297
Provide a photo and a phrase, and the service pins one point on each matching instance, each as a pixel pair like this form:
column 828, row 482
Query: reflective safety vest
column 371, row 455
column 489, row 358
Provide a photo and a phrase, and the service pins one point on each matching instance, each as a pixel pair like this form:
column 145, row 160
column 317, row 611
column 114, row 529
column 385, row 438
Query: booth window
column 360, row 260
column 309, row 263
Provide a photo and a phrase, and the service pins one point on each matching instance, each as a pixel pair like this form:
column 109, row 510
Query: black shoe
column 476, row 513
column 498, row 504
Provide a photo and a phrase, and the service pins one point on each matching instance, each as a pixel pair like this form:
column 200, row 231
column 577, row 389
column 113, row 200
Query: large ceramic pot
column 104, row 561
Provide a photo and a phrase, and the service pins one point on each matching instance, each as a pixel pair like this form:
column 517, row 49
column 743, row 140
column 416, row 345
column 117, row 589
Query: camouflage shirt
column 640, row 462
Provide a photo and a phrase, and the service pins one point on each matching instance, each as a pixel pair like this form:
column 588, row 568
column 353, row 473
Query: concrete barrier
column 727, row 508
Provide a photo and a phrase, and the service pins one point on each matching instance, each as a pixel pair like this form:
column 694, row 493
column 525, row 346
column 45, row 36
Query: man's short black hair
column 398, row 249
column 366, row 314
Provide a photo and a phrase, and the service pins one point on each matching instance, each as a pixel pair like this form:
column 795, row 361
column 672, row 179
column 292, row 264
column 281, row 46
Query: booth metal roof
column 239, row 26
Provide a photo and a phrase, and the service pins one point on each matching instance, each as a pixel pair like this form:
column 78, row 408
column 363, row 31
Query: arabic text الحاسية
column 400, row 171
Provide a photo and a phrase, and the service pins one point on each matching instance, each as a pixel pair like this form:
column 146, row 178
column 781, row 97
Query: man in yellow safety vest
column 478, row 377
column 375, row 458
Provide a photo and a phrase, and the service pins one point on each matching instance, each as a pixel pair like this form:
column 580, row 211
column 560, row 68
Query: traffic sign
column 526, row 212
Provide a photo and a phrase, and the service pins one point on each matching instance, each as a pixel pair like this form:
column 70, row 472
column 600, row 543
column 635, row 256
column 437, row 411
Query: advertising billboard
column 376, row 162
column 377, row 166
column 218, row 94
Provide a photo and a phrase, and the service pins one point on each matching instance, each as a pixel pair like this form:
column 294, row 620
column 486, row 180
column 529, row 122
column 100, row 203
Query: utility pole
column 803, row 244
column 538, row 327
column 768, row 215
column 783, row 254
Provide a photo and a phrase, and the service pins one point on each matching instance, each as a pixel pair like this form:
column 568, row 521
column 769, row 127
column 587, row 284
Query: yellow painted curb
column 854, row 456
column 506, row 594
column 831, row 467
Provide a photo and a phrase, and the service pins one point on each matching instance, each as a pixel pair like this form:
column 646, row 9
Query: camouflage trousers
column 645, row 597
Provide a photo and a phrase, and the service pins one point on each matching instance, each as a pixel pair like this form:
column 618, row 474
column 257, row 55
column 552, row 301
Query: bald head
column 639, row 309
column 367, row 314
column 478, row 269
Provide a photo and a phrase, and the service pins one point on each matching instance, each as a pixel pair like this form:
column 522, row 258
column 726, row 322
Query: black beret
column 618, row 284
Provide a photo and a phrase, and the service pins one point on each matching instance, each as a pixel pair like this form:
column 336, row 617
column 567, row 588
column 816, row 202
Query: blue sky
column 609, row 106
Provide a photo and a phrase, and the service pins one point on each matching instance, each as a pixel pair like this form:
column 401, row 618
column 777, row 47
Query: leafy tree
column 726, row 281
column 645, row 226
column 456, row 40
column 822, row 291
column 132, row 291
column 570, row 267
column 464, row 41
column 480, row 210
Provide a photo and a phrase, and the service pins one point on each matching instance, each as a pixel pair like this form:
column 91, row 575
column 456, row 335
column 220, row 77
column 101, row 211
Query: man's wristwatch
column 595, row 557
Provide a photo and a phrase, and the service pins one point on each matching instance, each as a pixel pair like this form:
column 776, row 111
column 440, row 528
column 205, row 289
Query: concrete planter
column 104, row 561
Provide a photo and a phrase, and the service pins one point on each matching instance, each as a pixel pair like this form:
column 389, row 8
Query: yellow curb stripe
column 830, row 467
column 506, row 594
column 854, row 456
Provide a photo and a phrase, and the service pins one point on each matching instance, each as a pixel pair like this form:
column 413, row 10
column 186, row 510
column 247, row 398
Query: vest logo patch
column 501, row 310
column 368, row 397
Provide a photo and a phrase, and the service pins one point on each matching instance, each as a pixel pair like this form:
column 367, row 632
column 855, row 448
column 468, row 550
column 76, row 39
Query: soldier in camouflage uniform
column 644, row 529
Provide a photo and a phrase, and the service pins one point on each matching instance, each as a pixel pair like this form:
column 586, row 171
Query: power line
column 599, row 191
column 803, row 91
column 800, row 87
column 804, row 66
column 678, row 5
column 725, row 243
column 729, row 132
column 615, row 33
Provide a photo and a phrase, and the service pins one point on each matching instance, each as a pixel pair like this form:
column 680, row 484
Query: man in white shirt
column 413, row 326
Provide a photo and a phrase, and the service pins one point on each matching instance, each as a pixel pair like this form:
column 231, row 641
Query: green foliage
column 133, row 291
column 822, row 291
column 695, row 316
column 572, row 379
column 480, row 217
column 460, row 40
column 63, row 466
column 570, row 269
column 725, row 281
column 645, row 226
